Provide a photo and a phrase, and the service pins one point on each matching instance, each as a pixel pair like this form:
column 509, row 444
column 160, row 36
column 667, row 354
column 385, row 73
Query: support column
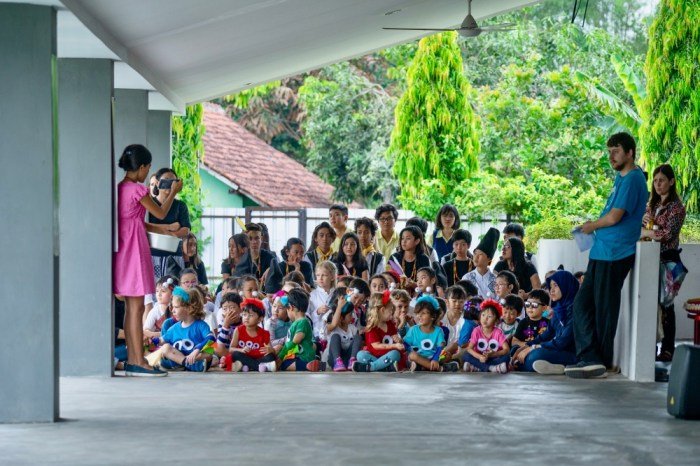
column 635, row 341
column 85, row 215
column 130, row 122
column 159, row 138
column 29, row 233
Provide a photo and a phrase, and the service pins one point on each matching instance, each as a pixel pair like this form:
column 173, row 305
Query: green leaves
column 187, row 152
column 346, row 133
column 671, row 109
column 435, row 137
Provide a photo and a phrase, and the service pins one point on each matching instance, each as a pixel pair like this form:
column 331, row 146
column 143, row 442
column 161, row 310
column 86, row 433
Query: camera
column 166, row 184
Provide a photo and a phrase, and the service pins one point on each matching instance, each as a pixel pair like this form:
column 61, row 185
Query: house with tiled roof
column 241, row 170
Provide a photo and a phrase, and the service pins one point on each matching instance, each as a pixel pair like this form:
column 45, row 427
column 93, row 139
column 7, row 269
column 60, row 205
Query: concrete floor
column 356, row 419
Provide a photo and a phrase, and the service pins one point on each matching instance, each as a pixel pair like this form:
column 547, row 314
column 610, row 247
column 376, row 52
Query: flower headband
column 181, row 293
column 253, row 302
column 430, row 300
column 493, row 304
column 282, row 298
column 386, row 296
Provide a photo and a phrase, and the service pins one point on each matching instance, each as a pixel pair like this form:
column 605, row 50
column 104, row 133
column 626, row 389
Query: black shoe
column 450, row 367
column 358, row 366
column 585, row 370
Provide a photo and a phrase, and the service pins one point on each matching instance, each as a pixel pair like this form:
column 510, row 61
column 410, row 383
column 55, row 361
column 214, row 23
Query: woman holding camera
column 176, row 223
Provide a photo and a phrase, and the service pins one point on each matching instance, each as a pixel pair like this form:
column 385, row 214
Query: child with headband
column 250, row 347
column 488, row 349
column 185, row 340
column 384, row 346
column 426, row 340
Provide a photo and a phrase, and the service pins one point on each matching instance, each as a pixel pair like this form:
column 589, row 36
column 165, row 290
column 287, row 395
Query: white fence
column 218, row 225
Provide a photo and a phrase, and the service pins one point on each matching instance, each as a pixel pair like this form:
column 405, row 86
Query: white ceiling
column 191, row 51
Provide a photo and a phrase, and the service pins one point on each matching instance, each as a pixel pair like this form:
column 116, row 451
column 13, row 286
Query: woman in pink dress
column 133, row 268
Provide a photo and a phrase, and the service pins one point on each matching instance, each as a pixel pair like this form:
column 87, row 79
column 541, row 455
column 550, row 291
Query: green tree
column 346, row 132
column 272, row 112
column 671, row 110
column 436, row 130
column 187, row 151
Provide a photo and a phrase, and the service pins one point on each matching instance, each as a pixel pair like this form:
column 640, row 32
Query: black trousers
column 252, row 363
column 597, row 309
column 668, row 323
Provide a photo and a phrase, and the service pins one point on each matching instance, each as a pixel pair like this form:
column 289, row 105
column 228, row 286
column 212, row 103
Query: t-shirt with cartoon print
column 482, row 343
column 256, row 343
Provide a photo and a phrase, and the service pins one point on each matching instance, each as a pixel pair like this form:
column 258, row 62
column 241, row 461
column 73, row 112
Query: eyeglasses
column 532, row 304
column 385, row 219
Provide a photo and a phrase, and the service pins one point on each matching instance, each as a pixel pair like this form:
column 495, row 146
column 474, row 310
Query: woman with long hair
column 662, row 222
column 515, row 261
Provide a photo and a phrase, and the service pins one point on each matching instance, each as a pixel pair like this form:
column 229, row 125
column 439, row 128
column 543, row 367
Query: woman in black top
column 349, row 260
column 176, row 222
column 411, row 255
column 292, row 261
column 515, row 261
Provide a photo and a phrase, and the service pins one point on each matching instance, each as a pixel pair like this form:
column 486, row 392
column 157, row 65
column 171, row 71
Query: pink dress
column 133, row 268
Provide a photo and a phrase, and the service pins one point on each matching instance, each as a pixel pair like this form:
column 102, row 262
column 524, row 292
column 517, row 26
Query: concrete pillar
column 85, row 215
column 130, row 121
column 635, row 341
column 29, row 233
column 159, row 138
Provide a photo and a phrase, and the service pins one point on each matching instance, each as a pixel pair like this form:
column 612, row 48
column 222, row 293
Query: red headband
column 492, row 303
column 253, row 302
column 386, row 296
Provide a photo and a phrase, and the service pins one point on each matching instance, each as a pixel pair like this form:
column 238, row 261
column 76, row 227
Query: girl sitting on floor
column 185, row 340
column 384, row 346
column 488, row 349
column 344, row 340
column 161, row 310
column 318, row 298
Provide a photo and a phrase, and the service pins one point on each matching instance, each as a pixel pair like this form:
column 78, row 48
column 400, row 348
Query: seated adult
column 552, row 356
column 514, row 260
column 518, row 231
column 238, row 246
column 175, row 223
column 292, row 261
column 256, row 261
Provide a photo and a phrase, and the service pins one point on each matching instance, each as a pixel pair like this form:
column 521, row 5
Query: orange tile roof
column 266, row 175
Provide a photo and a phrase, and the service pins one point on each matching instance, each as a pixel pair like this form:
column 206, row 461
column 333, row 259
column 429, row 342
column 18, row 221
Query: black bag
column 683, row 400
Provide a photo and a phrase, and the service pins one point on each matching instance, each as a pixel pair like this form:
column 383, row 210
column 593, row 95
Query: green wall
column 215, row 193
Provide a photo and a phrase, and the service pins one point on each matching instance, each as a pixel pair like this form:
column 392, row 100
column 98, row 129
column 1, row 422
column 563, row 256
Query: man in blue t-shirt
column 597, row 304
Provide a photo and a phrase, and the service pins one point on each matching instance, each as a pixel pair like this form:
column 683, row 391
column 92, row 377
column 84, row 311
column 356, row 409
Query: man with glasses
column 387, row 240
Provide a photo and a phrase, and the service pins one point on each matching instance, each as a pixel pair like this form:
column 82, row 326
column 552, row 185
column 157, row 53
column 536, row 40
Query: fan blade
column 420, row 29
column 498, row 26
column 498, row 29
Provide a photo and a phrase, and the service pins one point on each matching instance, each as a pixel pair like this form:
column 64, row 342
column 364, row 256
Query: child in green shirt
column 298, row 353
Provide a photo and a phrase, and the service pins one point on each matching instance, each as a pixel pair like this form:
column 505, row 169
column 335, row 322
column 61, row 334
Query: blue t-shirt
column 188, row 338
column 619, row 241
column 425, row 344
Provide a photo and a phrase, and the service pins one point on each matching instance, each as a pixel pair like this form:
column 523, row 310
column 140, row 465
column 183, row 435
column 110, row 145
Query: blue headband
column 430, row 300
column 284, row 300
column 181, row 293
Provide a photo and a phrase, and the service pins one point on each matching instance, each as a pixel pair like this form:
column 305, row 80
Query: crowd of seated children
column 342, row 306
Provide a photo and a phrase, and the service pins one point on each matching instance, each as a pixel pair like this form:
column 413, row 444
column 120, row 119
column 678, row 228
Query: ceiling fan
column 468, row 28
